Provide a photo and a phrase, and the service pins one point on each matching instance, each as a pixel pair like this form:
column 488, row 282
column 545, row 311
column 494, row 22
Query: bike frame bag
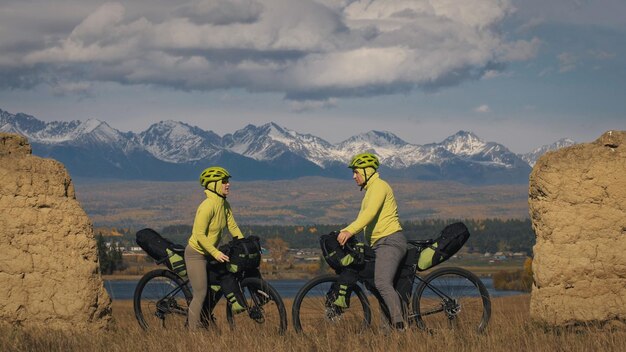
column 403, row 281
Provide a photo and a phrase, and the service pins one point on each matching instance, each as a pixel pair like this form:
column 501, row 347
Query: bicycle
column 448, row 297
column 162, row 298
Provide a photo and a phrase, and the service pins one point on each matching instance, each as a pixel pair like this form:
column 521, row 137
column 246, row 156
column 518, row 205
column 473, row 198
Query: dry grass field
column 509, row 330
column 309, row 200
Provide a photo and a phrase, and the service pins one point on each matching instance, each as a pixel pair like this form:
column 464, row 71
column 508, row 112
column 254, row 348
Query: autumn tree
column 277, row 250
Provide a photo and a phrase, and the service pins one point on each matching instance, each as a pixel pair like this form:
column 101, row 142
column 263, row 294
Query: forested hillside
column 487, row 235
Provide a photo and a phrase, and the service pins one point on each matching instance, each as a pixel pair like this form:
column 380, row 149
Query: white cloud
column 567, row 62
column 545, row 72
column 491, row 74
column 96, row 25
column 306, row 49
column 530, row 24
column 599, row 13
column 602, row 55
column 520, row 50
column 484, row 108
column 222, row 12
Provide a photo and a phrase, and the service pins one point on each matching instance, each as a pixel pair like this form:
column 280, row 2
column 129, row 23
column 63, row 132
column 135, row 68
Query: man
column 378, row 218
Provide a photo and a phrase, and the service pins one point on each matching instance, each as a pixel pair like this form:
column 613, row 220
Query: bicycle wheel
column 161, row 300
column 266, row 310
column 452, row 298
column 313, row 310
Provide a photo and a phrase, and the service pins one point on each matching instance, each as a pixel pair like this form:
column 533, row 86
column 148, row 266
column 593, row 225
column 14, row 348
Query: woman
column 378, row 218
column 213, row 214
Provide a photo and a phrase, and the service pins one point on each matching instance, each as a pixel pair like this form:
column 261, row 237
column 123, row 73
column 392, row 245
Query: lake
column 124, row 289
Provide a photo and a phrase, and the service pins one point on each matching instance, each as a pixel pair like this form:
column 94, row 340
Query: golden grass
column 319, row 201
column 509, row 330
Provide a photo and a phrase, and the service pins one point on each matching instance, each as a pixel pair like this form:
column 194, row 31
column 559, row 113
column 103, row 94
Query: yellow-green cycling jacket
column 378, row 209
column 212, row 216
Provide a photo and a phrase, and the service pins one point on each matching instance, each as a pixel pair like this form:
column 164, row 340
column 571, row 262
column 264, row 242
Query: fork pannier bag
column 452, row 238
column 162, row 250
column 232, row 291
column 223, row 282
column 340, row 291
column 347, row 264
column 244, row 253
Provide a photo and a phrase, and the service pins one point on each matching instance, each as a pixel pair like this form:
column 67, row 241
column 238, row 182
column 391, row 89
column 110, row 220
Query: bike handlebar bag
column 339, row 257
column 244, row 253
column 451, row 239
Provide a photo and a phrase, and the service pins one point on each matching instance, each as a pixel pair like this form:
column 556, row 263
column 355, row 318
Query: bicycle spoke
column 265, row 311
column 452, row 298
column 314, row 309
column 160, row 301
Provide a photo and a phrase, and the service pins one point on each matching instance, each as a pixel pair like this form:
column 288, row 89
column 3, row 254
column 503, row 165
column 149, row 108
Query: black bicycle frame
column 410, row 317
column 171, row 294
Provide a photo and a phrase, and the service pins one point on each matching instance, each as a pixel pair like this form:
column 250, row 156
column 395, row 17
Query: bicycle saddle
column 178, row 249
column 421, row 243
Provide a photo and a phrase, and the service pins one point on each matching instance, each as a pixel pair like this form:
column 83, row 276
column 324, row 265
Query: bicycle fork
column 259, row 298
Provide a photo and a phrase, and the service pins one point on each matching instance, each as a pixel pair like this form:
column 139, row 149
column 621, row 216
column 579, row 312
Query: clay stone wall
column 49, row 273
column 577, row 201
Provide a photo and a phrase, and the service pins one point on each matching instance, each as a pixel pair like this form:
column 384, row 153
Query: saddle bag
column 162, row 250
column 451, row 239
column 244, row 253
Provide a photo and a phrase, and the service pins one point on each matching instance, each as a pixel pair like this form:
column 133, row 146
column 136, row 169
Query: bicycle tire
column 265, row 308
column 161, row 300
column 311, row 311
column 467, row 309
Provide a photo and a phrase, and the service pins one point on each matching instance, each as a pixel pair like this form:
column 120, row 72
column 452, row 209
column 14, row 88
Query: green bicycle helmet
column 363, row 160
column 213, row 174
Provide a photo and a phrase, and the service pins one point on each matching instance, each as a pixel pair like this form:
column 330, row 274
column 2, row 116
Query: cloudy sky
column 519, row 72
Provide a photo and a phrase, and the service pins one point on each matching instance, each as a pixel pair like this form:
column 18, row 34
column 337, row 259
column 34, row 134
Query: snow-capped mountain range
column 171, row 150
column 531, row 158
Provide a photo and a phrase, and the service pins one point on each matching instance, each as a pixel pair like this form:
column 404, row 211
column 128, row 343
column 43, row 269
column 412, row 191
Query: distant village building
column 500, row 256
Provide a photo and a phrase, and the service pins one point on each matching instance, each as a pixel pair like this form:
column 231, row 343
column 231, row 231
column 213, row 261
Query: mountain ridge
column 172, row 150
